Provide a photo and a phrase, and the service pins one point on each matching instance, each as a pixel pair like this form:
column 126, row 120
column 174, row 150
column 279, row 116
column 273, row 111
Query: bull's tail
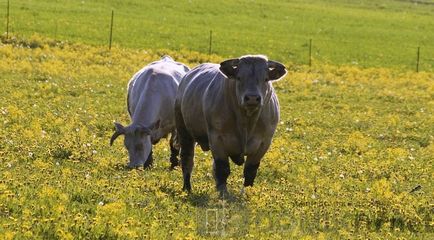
column 187, row 147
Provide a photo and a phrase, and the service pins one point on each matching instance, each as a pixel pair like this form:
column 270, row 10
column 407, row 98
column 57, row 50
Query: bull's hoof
column 187, row 184
column 173, row 166
column 223, row 191
column 186, row 188
column 173, row 163
column 147, row 165
column 133, row 166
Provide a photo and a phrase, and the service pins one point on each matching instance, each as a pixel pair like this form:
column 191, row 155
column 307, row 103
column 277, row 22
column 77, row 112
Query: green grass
column 365, row 33
column 350, row 147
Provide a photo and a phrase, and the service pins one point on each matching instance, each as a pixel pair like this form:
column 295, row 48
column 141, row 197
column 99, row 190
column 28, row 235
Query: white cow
column 151, row 98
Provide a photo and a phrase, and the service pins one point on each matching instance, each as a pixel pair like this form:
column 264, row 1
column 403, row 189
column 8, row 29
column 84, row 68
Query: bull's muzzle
column 252, row 100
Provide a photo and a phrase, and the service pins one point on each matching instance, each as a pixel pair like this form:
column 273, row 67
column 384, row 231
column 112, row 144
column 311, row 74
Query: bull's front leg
column 221, row 168
column 252, row 164
column 250, row 171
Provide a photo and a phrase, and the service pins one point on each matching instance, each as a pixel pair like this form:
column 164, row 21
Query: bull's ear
column 119, row 131
column 230, row 67
column 276, row 70
column 156, row 125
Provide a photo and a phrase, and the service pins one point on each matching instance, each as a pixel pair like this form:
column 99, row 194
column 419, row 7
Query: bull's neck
column 246, row 121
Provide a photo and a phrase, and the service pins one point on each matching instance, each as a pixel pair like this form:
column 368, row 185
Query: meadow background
column 357, row 32
column 352, row 157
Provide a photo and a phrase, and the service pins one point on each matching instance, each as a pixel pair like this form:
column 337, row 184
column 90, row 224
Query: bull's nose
column 252, row 100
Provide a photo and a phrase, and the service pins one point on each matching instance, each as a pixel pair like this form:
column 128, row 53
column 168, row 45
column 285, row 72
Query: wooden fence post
column 7, row 20
column 111, row 30
column 310, row 53
column 210, row 42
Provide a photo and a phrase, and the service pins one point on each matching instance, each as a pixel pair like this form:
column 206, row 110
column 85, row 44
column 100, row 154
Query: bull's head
column 137, row 141
column 252, row 75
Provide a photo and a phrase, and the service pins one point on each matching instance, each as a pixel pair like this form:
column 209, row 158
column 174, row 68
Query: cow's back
column 169, row 66
column 191, row 93
column 167, row 71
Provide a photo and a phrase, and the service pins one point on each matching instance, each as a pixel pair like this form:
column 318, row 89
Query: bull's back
column 190, row 98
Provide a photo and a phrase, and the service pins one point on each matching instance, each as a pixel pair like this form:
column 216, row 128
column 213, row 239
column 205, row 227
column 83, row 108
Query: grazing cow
column 231, row 109
column 150, row 101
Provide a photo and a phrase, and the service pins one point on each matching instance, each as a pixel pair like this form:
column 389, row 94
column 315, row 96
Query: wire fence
column 107, row 28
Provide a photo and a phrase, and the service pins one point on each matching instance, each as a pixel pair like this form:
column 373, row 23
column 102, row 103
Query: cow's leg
column 252, row 164
column 174, row 150
column 149, row 161
column 187, row 149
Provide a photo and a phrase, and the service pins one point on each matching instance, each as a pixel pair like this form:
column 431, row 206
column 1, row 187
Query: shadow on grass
column 199, row 199
column 206, row 199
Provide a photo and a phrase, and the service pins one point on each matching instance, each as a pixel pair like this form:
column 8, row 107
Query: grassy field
column 352, row 157
column 363, row 33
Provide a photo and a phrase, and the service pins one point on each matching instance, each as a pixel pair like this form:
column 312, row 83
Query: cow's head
column 137, row 141
column 252, row 75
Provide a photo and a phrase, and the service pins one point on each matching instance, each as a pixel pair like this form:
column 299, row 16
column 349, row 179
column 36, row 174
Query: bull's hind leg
column 187, row 149
column 174, row 150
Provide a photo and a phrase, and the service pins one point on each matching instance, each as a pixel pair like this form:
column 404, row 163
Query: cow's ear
column 276, row 70
column 119, row 131
column 229, row 67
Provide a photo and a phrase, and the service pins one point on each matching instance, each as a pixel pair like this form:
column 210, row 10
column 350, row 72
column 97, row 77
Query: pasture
column 350, row 147
column 352, row 156
column 362, row 33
